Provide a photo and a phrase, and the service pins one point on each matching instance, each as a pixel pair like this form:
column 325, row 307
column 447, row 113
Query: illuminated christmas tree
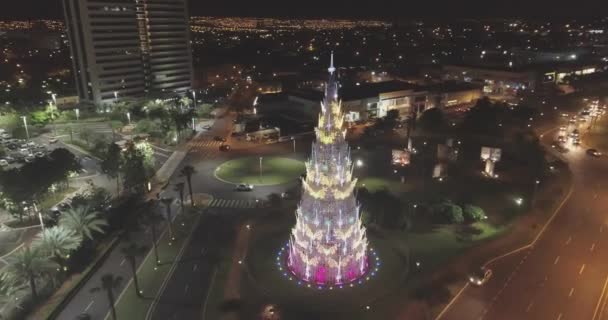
column 328, row 245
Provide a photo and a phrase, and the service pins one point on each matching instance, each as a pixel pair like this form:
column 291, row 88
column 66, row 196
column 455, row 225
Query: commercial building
column 126, row 48
column 374, row 100
column 505, row 82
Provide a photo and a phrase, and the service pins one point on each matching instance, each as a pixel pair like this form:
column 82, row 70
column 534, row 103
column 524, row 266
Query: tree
column 131, row 252
column 152, row 219
column 112, row 164
column 109, row 283
column 27, row 266
column 62, row 163
column 188, row 171
column 83, row 222
column 484, row 118
column 135, row 173
column 167, row 202
column 432, row 120
column 179, row 187
column 473, row 213
column 58, row 242
column 446, row 211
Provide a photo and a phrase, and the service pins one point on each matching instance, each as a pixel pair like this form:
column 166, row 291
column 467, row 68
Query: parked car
column 480, row 277
column 39, row 154
column 244, row 187
column 218, row 138
column 594, row 152
column 206, row 127
column 225, row 147
column 30, row 158
column 9, row 159
column 53, row 140
column 3, row 163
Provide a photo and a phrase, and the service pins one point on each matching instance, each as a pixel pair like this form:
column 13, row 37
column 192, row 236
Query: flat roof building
column 126, row 48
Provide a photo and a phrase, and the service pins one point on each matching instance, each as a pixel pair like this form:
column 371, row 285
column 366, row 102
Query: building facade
column 126, row 48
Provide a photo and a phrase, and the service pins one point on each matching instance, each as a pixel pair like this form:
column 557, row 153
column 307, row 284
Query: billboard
column 401, row 157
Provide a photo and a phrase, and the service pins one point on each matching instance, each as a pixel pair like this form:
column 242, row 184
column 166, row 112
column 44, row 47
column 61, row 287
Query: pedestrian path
column 234, row 203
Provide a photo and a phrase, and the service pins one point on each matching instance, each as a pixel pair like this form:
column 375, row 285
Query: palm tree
column 109, row 283
column 83, row 221
column 152, row 219
column 167, row 202
column 28, row 265
column 58, row 242
column 131, row 252
column 188, row 171
column 179, row 187
column 11, row 292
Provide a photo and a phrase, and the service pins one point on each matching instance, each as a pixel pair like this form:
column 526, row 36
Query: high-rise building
column 328, row 245
column 126, row 48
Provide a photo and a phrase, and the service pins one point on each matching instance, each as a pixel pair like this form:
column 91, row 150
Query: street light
column 77, row 113
column 261, row 169
column 359, row 163
column 129, row 117
column 194, row 100
column 294, row 144
column 519, row 201
column 27, row 133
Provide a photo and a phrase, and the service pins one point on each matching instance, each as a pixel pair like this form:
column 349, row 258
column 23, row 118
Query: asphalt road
column 563, row 276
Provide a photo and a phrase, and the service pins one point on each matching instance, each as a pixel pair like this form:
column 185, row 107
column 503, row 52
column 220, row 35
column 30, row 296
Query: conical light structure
column 328, row 244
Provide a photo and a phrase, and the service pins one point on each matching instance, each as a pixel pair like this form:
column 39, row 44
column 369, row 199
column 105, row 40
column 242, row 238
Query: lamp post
column 39, row 216
column 536, row 183
column 261, row 169
column 193, row 100
column 77, row 113
column 115, row 97
column 129, row 117
column 27, row 133
column 294, row 144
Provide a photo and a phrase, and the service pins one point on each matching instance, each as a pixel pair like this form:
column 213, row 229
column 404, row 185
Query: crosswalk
column 205, row 144
column 234, row 203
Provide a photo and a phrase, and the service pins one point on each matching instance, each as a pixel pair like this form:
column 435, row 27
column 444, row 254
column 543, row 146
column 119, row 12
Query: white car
column 244, row 187
column 3, row 163
column 480, row 277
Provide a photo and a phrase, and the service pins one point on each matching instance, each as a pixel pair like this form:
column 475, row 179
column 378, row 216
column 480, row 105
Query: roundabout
column 260, row 171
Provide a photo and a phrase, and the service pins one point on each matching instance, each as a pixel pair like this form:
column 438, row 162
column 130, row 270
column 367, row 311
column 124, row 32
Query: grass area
column 439, row 244
column 151, row 276
column 53, row 198
column 375, row 183
column 275, row 170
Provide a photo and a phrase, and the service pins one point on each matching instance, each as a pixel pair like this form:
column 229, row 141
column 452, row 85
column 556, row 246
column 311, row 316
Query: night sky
column 392, row 9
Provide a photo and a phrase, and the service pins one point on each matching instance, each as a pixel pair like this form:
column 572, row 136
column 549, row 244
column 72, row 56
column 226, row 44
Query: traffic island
column 260, row 171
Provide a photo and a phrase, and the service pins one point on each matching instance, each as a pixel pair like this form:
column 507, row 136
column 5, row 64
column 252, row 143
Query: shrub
column 473, row 213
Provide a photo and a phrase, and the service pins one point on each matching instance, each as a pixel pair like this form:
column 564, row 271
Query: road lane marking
column 571, row 292
column 529, row 306
column 123, row 261
column 559, row 316
column 556, row 260
column 569, row 240
column 582, row 268
column 592, row 247
column 452, row 302
column 195, row 266
column 89, row 305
